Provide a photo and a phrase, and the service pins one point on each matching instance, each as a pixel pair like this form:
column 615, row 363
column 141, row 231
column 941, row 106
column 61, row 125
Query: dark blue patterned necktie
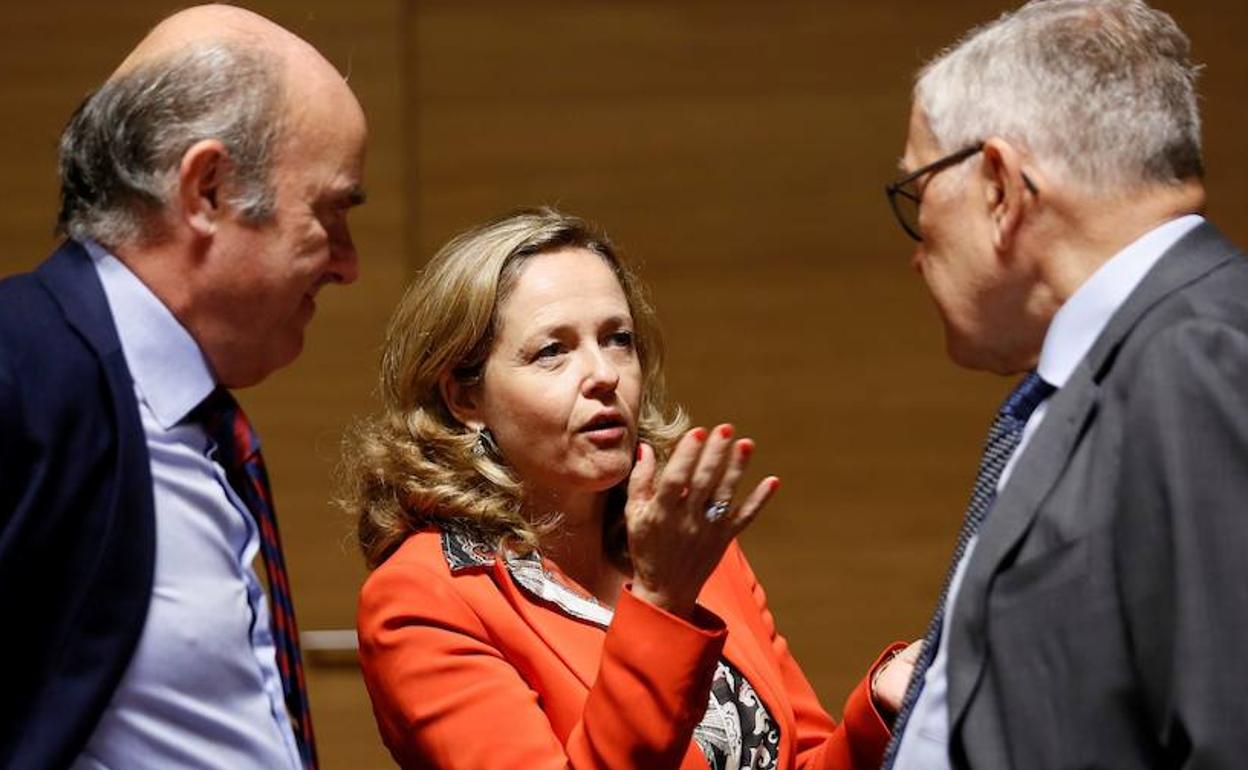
column 1003, row 438
column 238, row 451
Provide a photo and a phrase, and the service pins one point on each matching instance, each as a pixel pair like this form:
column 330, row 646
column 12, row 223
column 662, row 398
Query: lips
column 605, row 428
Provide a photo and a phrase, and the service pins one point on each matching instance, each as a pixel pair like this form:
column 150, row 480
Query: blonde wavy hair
column 414, row 465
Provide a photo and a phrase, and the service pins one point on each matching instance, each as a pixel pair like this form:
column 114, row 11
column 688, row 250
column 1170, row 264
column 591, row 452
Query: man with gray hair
column 205, row 189
column 1099, row 589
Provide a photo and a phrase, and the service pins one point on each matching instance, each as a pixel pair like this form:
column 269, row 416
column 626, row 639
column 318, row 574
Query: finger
column 674, row 479
column 738, row 459
column 710, row 467
column 754, row 503
column 641, row 480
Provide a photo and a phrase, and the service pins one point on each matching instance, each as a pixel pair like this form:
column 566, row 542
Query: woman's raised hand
column 680, row 522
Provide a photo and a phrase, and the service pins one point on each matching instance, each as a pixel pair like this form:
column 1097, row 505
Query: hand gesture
column 680, row 523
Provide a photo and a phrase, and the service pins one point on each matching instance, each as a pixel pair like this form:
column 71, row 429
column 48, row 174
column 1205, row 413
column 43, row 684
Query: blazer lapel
column 1045, row 457
column 575, row 640
column 742, row 651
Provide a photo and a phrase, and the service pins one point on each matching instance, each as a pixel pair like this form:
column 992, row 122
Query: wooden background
column 737, row 151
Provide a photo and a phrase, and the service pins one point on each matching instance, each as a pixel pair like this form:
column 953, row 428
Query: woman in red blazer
column 557, row 582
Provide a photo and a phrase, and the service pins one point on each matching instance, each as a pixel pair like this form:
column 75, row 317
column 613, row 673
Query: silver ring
column 716, row 509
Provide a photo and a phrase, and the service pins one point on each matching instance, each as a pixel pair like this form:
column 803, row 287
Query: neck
column 1063, row 244
column 576, row 545
column 1089, row 230
column 162, row 267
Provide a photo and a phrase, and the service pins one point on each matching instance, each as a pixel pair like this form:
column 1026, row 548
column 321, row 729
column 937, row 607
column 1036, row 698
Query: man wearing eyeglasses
column 1097, row 601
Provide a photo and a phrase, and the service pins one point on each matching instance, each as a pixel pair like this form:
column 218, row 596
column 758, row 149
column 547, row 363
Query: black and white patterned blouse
column 736, row 732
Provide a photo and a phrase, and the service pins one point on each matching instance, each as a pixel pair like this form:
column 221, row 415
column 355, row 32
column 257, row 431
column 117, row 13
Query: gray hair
column 120, row 152
column 1102, row 91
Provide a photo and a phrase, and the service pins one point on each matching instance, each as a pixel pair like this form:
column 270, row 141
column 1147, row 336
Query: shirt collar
column 169, row 370
column 464, row 551
column 1084, row 316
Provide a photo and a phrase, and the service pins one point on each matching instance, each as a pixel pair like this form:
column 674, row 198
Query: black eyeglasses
column 906, row 199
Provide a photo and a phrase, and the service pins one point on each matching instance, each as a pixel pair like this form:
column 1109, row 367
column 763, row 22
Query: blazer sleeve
column 445, row 696
column 1181, row 540
column 859, row 740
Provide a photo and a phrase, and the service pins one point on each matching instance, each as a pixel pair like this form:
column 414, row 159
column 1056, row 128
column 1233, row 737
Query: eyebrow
column 615, row 320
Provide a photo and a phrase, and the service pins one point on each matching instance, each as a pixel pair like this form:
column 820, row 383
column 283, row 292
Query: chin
column 982, row 358
column 960, row 354
column 963, row 351
column 277, row 360
column 610, row 476
column 288, row 352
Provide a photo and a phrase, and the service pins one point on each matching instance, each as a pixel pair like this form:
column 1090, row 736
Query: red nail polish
column 745, row 447
column 775, row 483
column 699, row 434
column 725, row 431
column 639, row 446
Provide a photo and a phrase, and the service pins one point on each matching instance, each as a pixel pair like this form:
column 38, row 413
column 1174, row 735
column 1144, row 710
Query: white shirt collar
column 1084, row 316
column 169, row 370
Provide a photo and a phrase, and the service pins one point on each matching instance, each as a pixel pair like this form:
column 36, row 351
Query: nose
column 344, row 265
column 601, row 376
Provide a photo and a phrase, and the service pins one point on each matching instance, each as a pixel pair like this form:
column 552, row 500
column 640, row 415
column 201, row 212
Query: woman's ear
column 463, row 399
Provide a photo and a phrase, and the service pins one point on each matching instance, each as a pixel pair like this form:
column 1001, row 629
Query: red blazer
column 467, row 668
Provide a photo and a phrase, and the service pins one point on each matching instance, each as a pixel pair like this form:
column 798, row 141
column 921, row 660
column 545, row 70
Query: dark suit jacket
column 77, row 522
column 1103, row 618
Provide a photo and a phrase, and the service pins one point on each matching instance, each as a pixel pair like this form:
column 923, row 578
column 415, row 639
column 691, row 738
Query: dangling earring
column 485, row 444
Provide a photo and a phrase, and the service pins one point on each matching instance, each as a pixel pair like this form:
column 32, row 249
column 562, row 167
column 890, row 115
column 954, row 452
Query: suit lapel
column 71, row 279
column 1046, row 455
column 1038, row 468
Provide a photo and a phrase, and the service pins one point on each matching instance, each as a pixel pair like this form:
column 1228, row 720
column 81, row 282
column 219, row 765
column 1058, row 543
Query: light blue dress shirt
column 1071, row 334
column 203, row 688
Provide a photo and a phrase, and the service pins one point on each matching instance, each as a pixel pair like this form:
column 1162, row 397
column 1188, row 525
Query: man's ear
column 201, row 180
column 463, row 399
column 1006, row 189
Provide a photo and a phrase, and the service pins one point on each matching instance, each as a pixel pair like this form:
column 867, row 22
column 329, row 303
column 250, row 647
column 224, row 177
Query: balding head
column 205, row 25
column 238, row 28
column 208, row 72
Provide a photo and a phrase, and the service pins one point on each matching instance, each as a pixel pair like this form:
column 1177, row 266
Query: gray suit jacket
column 1103, row 619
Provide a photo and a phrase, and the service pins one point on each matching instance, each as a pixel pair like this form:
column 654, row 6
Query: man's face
column 264, row 283
column 965, row 274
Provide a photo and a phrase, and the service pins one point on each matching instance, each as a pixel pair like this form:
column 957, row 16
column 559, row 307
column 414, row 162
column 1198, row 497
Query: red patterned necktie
column 238, row 451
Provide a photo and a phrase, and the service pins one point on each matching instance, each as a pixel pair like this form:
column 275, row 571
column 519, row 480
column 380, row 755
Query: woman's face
column 561, row 389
